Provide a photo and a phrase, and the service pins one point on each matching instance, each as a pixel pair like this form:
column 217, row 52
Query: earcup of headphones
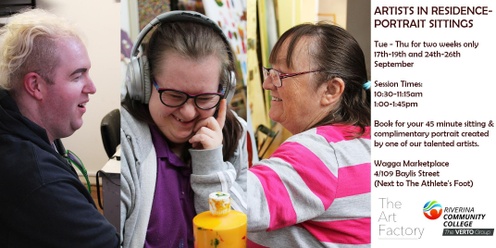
column 231, row 87
column 138, row 83
column 145, row 78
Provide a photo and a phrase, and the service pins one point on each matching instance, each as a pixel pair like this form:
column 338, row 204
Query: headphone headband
column 180, row 16
column 138, row 70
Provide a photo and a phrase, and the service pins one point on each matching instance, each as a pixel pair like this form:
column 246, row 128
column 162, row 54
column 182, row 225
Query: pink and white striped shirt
column 314, row 191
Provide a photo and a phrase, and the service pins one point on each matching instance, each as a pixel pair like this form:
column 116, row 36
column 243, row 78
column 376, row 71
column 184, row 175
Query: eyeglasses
column 277, row 76
column 174, row 98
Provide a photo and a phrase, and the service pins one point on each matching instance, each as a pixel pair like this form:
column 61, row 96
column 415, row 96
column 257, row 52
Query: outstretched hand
column 208, row 132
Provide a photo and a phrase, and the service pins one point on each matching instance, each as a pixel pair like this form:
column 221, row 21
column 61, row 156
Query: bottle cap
column 220, row 203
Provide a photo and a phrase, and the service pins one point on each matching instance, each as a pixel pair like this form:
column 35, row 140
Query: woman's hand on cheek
column 209, row 131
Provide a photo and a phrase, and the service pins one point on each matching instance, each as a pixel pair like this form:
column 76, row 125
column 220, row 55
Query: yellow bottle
column 220, row 227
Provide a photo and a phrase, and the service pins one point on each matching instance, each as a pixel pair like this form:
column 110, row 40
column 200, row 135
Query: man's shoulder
column 25, row 163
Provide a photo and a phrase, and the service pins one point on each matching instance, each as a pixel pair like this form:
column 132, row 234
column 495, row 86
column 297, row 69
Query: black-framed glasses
column 175, row 98
column 277, row 76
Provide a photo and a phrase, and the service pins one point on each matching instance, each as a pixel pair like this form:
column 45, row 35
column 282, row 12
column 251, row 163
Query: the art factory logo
column 458, row 220
column 432, row 210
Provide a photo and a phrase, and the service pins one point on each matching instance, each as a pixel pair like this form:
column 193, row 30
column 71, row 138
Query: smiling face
column 66, row 96
column 296, row 104
column 192, row 76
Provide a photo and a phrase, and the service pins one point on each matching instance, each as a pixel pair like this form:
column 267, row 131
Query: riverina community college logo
column 432, row 210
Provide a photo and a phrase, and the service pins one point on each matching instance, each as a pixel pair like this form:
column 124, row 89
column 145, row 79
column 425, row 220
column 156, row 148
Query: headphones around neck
column 138, row 82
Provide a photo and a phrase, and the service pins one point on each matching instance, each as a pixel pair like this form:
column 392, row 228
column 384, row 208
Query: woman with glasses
column 319, row 89
column 186, row 127
column 314, row 190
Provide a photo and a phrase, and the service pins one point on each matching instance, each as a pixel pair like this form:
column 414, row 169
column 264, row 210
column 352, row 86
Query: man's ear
column 333, row 90
column 34, row 85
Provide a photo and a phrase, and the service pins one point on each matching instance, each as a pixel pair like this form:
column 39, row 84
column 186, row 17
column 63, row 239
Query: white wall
column 99, row 21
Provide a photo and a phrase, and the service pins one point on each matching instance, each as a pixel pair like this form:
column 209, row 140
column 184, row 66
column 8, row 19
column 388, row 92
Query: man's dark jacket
column 42, row 201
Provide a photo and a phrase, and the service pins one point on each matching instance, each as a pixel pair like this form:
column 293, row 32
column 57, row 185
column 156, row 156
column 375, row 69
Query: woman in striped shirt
column 314, row 190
